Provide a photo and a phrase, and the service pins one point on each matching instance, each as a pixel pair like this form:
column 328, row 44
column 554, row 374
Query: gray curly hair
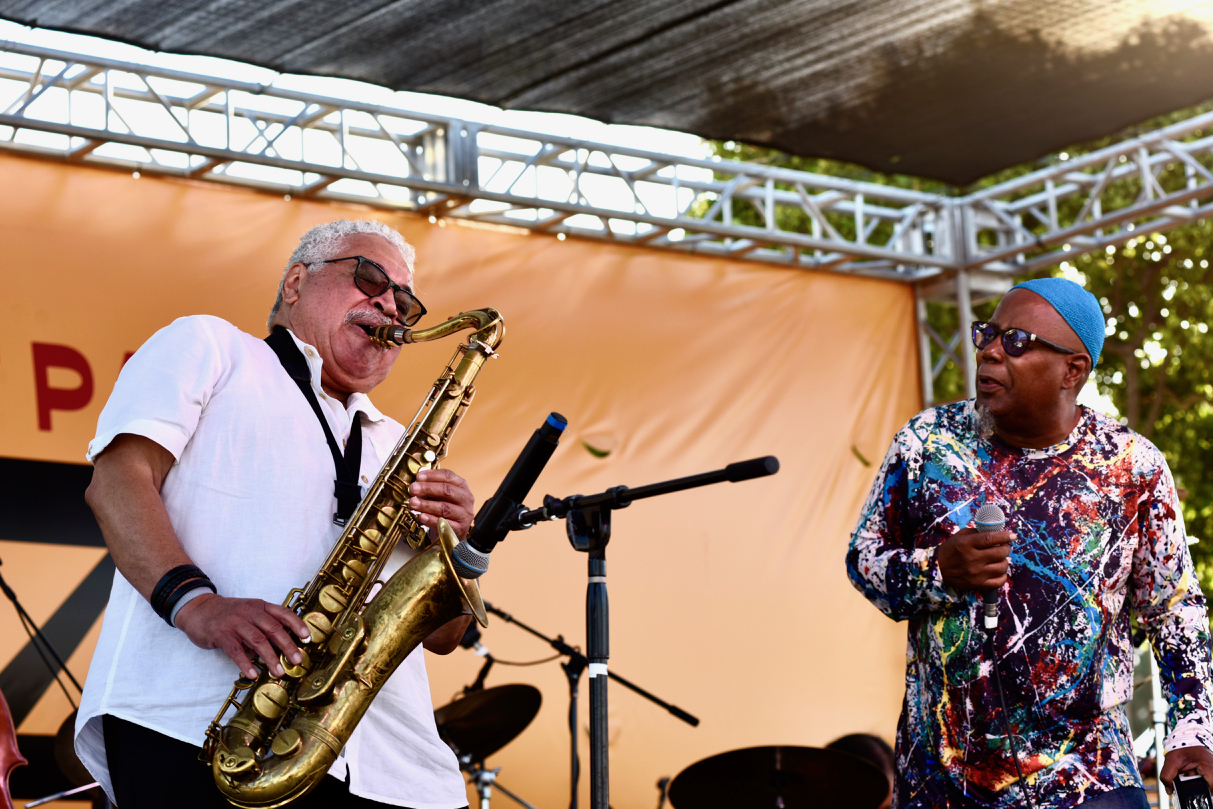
column 319, row 244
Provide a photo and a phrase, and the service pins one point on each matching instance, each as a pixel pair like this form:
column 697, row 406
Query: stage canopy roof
column 948, row 89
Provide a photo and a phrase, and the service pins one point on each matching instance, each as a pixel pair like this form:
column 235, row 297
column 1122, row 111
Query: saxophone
column 287, row 731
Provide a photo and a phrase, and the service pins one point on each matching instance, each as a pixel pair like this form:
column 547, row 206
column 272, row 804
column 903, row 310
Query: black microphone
column 471, row 640
column 471, row 557
column 990, row 518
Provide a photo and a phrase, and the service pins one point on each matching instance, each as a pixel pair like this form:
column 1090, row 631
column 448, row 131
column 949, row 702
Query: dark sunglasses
column 1014, row 341
column 373, row 281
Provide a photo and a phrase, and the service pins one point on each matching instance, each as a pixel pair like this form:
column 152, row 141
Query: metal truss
column 97, row 111
column 1148, row 184
column 148, row 119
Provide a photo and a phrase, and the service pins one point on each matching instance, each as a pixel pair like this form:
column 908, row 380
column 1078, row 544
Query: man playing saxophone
column 214, row 488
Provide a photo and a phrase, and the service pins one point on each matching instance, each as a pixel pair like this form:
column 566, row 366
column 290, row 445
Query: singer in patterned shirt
column 1094, row 539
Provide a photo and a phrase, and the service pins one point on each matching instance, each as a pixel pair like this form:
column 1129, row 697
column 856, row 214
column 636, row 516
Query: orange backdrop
column 729, row 601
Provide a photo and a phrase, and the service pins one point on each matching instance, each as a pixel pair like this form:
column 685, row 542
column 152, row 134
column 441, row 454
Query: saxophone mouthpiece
column 388, row 336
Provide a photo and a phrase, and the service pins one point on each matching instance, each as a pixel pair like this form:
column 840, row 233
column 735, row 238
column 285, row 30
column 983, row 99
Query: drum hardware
column 482, row 722
column 485, row 780
column 663, row 787
column 779, row 778
column 65, row 794
column 588, row 526
column 573, row 668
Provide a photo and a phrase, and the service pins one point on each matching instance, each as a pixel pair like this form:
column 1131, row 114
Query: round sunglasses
column 1014, row 341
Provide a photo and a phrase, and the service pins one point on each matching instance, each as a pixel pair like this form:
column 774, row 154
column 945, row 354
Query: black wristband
column 188, row 587
column 171, row 581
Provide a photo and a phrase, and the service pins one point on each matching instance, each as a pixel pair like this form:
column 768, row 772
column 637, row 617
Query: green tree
column 1156, row 360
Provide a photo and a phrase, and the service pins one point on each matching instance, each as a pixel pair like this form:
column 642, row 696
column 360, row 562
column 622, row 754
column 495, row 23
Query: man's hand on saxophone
column 441, row 493
column 238, row 626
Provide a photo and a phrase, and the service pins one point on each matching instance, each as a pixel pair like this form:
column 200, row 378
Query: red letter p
column 47, row 356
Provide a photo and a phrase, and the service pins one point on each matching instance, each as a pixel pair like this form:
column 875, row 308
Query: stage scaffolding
column 956, row 249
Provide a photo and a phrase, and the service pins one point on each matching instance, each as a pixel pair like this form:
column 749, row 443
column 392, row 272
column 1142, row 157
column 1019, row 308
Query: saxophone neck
column 487, row 324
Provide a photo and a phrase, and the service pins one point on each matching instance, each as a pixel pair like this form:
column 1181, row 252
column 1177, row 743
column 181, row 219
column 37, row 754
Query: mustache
column 367, row 317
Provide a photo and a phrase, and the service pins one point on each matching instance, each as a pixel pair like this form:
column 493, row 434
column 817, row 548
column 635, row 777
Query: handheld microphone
column 990, row 518
column 471, row 556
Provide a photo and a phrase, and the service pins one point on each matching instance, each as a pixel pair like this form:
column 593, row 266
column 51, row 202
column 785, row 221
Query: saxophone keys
column 286, row 743
column 347, row 637
column 270, row 701
column 235, row 762
column 353, row 571
column 416, row 538
column 370, row 540
column 319, row 625
column 296, row 671
column 387, row 514
column 333, row 599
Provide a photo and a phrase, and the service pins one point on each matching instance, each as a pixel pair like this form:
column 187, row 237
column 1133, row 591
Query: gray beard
column 983, row 421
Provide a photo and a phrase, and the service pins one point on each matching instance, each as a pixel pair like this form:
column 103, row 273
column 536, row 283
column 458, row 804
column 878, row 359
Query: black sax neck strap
column 346, row 466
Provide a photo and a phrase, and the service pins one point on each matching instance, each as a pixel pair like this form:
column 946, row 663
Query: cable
column 1025, row 787
column 501, row 662
column 25, row 624
column 29, row 624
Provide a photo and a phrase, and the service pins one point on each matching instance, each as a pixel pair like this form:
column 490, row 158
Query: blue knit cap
column 1077, row 306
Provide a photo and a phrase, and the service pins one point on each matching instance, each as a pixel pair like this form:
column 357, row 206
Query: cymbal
column 779, row 778
column 65, row 754
column 483, row 722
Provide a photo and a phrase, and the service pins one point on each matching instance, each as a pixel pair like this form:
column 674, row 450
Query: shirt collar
column 356, row 401
column 1065, row 445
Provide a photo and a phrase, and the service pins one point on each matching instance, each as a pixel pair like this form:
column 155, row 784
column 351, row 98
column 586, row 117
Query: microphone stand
column 588, row 525
column 573, row 668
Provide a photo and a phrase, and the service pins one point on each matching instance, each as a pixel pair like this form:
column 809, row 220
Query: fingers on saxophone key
column 282, row 643
column 295, row 624
column 257, row 627
column 233, row 647
column 442, row 485
column 256, row 639
column 442, row 493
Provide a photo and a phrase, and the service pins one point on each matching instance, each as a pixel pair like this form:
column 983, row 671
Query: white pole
column 1159, row 706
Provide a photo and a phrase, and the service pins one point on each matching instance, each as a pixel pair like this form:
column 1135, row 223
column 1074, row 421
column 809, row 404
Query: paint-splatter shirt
column 1100, row 536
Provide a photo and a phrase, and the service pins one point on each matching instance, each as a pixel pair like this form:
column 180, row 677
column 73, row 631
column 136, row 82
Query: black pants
column 152, row 771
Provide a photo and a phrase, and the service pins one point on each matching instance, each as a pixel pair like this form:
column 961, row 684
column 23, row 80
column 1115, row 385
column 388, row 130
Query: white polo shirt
column 251, row 499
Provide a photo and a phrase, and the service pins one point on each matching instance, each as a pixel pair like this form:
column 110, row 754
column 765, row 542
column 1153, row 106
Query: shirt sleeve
column 164, row 387
column 1170, row 607
column 883, row 562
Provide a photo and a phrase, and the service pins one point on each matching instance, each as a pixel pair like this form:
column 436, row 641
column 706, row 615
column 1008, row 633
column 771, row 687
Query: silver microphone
column 990, row 518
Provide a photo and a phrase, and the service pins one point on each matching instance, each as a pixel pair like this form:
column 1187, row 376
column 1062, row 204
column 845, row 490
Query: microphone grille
column 990, row 514
column 468, row 562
